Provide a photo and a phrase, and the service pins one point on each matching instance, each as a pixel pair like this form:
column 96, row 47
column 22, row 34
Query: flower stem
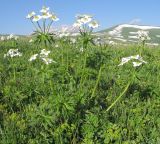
column 39, row 26
column 49, row 26
column 118, row 98
column 98, row 79
column 34, row 25
column 44, row 26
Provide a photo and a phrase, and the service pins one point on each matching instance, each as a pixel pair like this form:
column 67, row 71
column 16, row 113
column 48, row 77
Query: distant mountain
column 126, row 33
column 65, row 29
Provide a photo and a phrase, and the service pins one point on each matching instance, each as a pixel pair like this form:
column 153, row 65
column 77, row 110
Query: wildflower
column 73, row 40
column 33, row 57
column 77, row 24
column 135, row 64
column 11, row 36
column 2, row 38
column 143, row 35
column 44, row 9
column 42, row 31
column 54, row 17
column 86, row 27
column 43, row 56
column 30, row 15
column 93, row 24
column 86, row 21
column 84, row 18
column 16, row 37
column 124, row 60
column 47, row 61
column 44, row 53
column 37, row 18
column 12, row 53
column 46, row 15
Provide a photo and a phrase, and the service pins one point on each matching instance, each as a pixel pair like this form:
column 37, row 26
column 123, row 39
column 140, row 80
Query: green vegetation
column 68, row 102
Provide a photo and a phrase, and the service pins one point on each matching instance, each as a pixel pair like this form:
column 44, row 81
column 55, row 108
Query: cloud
column 135, row 21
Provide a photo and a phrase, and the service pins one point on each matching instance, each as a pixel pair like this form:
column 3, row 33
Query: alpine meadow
column 79, row 84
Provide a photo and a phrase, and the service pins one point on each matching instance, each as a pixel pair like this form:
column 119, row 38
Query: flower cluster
column 12, row 53
column 86, row 21
column 2, row 38
column 43, row 56
column 143, row 35
column 86, row 24
column 73, row 40
column 135, row 64
column 45, row 14
column 10, row 37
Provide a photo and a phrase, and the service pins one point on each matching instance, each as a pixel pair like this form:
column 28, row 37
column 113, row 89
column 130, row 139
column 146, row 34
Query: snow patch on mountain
column 133, row 37
column 120, row 39
column 117, row 31
column 133, row 33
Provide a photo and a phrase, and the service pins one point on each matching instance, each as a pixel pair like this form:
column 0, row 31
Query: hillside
column 128, row 33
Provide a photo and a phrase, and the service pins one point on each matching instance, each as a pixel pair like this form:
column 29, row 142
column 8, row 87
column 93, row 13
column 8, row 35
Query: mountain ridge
column 128, row 33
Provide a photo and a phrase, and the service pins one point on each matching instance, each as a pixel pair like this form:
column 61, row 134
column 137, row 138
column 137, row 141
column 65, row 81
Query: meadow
column 58, row 92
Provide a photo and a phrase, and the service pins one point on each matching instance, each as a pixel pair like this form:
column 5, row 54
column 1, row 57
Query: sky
column 107, row 12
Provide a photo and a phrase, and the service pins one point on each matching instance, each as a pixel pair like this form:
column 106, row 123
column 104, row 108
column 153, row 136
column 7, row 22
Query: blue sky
column 107, row 12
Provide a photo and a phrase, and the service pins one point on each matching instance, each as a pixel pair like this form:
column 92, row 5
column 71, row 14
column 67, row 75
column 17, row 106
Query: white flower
column 93, row 24
column 16, row 37
column 2, row 38
column 73, row 40
column 30, row 15
column 143, row 35
column 44, row 53
column 54, row 17
column 33, row 57
column 12, row 53
column 135, row 64
column 44, row 9
column 124, row 60
column 48, row 61
column 77, row 24
column 10, row 37
column 46, row 15
column 139, row 58
column 84, row 18
column 36, row 18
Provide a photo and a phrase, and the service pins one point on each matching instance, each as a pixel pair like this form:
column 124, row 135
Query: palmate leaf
column 44, row 38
